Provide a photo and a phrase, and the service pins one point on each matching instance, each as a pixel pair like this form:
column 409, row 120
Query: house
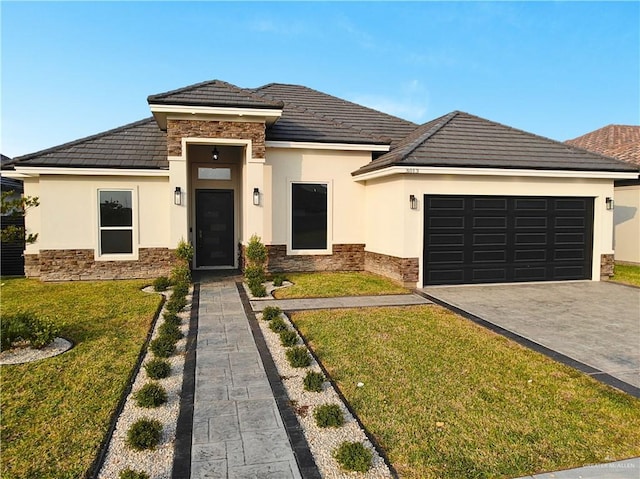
column 621, row 142
column 327, row 184
column 11, row 259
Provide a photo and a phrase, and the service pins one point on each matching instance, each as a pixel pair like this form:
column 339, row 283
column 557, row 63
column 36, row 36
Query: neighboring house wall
column 627, row 224
column 396, row 232
column 68, row 245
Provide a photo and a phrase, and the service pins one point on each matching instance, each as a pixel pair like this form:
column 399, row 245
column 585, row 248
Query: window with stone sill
column 115, row 222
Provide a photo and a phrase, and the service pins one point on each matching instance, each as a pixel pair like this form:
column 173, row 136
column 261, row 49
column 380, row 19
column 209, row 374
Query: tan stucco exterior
column 627, row 224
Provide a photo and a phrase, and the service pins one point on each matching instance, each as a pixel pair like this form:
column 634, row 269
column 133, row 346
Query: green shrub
column 278, row 325
column 161, row 283
column 328, row 415
column 176, row 303
column 181, row 274
column 353, row 456
column 184, row 251
column 278, row 279
column 158, row 368
column 27, row 327
column 256, row 252
column 180, row 289
column 258, row 290
column 172, row 317
column 254, row 274
column 131, row 474
column 288, row 338
column 144, row 434
column 163, row 347
column 170, row 330
column 313, row 381
column 271, row 312
column 151, row 395
column 298, row 356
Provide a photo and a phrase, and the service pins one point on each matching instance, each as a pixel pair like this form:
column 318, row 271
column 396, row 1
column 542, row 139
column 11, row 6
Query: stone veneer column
column 607, row 262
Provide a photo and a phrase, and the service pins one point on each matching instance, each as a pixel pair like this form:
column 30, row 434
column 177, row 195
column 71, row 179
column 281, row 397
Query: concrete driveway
column 594, row 323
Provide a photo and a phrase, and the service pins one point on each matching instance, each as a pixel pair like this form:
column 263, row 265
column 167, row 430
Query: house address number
column 412, row 170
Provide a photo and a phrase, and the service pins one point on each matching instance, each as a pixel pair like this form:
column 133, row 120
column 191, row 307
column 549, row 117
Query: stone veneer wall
column 344, row 257
column 607, row 262
column 178, row 129
column 80, row 265
column 403, row 270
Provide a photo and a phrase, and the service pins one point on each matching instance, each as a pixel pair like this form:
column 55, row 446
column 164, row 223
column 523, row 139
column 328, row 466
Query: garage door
column 498, row 239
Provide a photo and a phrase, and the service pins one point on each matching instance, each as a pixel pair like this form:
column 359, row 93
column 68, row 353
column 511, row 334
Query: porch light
column 610, row 203
column 177, row 196
column 256, row 196
column 413, row 202
column 215, row 154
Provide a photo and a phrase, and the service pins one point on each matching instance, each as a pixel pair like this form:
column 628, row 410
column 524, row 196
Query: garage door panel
column 480, row 239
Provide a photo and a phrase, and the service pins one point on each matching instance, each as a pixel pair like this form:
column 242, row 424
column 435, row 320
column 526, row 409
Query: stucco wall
column 392, row 228
column 627, row 223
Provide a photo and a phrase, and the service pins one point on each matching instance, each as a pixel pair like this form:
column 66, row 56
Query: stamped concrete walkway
column 344, row 302
column 237, row 429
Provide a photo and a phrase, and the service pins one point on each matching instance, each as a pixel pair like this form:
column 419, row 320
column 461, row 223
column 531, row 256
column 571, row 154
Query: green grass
column 56, row 412
column 448, row 399
column 626, row 273
column 329, row 285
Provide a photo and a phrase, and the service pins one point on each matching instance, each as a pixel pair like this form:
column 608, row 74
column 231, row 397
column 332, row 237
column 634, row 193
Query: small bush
column 181, row 289
column 158, row 368
column 131, row 474
column 184, row 251
column 27, row 327
column 288, row 338
column 328, row 415
column 42, row 332
column 181, row 274
column 253, row 273
column 353, row 456
column 161, row 283
column 176, row 303
column 170, row 330
column 298, row 356
column 256, row 252
column 172, row 318
column 313, row 381
column 278, row 325
column 278, row 279
column 144, row 434
column 151, row 395
column 271, row 312
column 258, row 290
column 163, row 347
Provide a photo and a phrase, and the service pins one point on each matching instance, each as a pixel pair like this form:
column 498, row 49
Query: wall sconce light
column 610, row 203
column 256, row 196
column 177, row 196
column 215, row 154
column 413, row 202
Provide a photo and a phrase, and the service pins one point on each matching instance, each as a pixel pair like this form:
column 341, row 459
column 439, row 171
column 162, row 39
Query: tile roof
column 136, row 145
column 618, row 141
column 213, row 93
column 463, row 140
column 371, row 124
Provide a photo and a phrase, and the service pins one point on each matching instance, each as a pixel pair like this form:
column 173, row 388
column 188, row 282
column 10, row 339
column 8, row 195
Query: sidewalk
column 342, row 302
column 237, row 429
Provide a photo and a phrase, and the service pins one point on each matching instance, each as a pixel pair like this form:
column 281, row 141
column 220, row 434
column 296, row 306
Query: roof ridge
column 82, row 140
column 333, row 121
column 181, row 89
column 445, row 119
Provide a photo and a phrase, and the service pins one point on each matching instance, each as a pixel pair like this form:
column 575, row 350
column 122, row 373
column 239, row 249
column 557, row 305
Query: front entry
column 214, row 228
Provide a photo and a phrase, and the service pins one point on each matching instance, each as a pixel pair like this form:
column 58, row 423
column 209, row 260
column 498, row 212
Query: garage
column 471, row 239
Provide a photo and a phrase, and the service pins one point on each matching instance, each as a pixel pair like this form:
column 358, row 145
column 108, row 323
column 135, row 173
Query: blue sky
column 557, row 69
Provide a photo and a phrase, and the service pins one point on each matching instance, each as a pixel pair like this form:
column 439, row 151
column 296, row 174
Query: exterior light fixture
column 215, row 154
column 177, row 196
column 256, row 196
column 610, row 203
column 413, row 202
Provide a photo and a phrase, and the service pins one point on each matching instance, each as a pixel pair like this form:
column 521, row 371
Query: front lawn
column 446, row 398
column 329, row 285
column 626, row 273
column 55, row 412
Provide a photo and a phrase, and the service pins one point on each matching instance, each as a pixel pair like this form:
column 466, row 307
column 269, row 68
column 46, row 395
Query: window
column 309, row 216
column 116, row 222
column 214, row 173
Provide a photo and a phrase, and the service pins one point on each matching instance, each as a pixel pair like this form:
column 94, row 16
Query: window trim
column 316, row 252
column 99, row 255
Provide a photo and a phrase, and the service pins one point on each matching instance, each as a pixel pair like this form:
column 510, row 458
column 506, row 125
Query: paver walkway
column 343, row 302
column 237, row 429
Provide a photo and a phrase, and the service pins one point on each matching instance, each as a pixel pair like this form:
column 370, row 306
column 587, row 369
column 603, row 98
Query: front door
column 214, row 228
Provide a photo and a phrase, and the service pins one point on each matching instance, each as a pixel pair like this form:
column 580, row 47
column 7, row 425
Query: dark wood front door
column 214, row 228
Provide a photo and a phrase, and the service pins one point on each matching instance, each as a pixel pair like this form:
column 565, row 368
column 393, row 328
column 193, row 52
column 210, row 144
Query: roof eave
column 162, row 112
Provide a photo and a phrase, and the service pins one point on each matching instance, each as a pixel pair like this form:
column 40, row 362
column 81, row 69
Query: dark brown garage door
column 502, row 239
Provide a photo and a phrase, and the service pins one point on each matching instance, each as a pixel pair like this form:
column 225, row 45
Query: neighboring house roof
column 618, row 141
column 136, row 145
column 9, row 183
column 459, row 139
column 213, row 93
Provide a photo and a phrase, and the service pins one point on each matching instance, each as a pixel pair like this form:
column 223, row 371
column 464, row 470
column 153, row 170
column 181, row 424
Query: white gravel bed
column 269, row 287
column 28, row 354
column 322, row 441
column 157, row 463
